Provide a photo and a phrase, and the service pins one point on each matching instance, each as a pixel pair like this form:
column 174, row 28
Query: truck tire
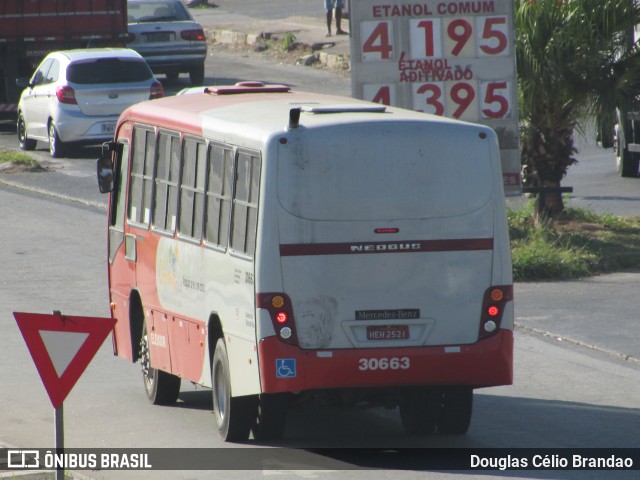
column 234, row 415
column 605, row 125
column 626, row 161
column 25, row 142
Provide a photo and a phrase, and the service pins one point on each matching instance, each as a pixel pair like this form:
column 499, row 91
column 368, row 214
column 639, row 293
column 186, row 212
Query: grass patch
column 17, row 158
column 288, row 41
column 579, row 244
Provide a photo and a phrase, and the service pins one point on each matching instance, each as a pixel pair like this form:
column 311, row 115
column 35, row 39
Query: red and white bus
column 268, row 243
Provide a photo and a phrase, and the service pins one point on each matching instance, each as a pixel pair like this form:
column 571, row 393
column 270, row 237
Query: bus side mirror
column 105, row 169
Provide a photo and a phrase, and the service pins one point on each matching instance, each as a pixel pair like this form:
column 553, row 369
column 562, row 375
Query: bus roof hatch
column 344, row 108
column 247, row 87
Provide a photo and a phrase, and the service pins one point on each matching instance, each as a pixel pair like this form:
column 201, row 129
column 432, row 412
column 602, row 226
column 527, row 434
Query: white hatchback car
column 76, row 96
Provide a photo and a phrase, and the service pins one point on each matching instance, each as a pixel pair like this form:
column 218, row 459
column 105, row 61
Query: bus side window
column 194, row 171
column 141, row 175
column 219, row 187
column 167, row 175
column 245, row 203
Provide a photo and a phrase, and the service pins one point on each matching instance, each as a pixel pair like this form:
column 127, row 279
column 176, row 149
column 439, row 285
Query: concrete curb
column 333, row 61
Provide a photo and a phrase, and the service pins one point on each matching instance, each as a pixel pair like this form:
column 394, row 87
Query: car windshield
column 109, row 70
column 156, row 12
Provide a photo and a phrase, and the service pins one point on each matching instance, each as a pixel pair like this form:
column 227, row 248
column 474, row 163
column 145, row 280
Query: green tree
column 576, row 60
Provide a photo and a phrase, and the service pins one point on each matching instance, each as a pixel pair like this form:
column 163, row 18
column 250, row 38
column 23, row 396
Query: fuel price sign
column 446, row 57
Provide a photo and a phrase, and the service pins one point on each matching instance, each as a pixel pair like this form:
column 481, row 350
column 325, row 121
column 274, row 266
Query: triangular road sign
column 62, row 347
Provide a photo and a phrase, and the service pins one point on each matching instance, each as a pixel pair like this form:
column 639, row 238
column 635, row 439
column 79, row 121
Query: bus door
column 121, row 255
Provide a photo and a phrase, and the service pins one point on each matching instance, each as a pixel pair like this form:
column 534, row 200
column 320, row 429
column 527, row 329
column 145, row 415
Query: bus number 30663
column 394, row 363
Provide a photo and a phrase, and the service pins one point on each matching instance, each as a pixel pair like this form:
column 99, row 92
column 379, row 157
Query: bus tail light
column 493, row 306
column 281, row 313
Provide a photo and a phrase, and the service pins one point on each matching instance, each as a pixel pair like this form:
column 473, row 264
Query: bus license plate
column 388, row 332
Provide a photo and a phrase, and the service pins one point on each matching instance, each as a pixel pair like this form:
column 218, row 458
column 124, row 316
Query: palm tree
column 575, row 60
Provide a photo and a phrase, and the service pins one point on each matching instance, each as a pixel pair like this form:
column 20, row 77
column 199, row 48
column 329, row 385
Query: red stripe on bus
column 403, row 246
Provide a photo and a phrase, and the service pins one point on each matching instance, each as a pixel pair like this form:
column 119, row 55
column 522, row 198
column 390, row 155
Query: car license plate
column 388, row 332
column 158, row 37
column 108, row 127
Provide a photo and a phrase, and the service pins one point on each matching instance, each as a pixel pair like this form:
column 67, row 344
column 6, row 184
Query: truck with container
column 30, row 29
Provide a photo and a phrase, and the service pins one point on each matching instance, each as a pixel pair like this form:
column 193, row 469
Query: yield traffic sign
column 62, row 347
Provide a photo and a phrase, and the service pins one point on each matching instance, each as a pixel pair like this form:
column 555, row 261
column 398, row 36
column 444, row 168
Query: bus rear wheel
column 271, row 417
column 234, row 415
column 420, row 409
column 161, row 388
column 456, row 410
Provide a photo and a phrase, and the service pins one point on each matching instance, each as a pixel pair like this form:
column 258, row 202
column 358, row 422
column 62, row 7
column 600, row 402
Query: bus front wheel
column 234, row 415
column 162, row 388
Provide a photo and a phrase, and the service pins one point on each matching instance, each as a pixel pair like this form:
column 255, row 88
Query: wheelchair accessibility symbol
column 285, row 368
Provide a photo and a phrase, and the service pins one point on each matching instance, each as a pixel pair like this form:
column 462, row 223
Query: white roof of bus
column 260, row 112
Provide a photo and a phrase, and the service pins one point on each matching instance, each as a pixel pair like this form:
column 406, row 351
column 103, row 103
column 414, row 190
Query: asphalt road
column 563, row 395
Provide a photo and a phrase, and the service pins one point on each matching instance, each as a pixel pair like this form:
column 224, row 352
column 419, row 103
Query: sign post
column 454, row 58
column 60, row 438
column 62, row 347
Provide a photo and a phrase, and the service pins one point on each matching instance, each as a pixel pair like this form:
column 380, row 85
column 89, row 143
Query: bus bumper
column 286, row 368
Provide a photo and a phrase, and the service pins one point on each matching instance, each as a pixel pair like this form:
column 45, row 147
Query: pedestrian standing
column 330, row 6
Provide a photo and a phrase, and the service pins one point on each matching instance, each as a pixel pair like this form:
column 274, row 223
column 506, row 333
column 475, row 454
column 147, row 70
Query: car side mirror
column 105, row 169
column 22, row 83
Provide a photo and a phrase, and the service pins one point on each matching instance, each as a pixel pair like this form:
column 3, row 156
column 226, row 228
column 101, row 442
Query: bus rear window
column 372, row 172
